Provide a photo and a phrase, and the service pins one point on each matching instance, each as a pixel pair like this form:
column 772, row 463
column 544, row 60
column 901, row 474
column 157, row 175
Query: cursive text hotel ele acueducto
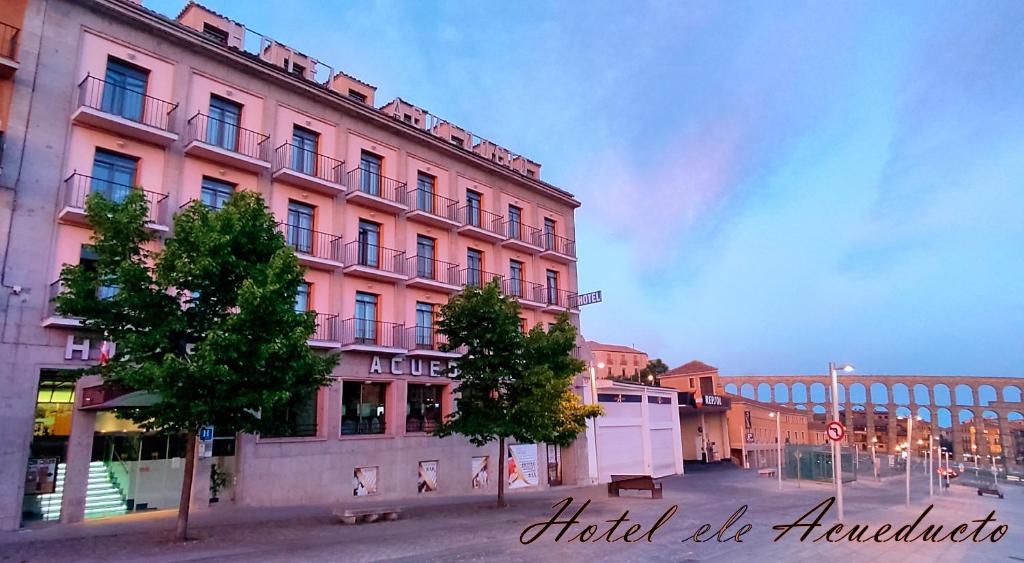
column 573, row 528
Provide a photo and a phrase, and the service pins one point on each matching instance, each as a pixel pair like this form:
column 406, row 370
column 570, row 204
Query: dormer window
column 458, row 140
column 407, row 118
column 357, row 96
column 215, row 33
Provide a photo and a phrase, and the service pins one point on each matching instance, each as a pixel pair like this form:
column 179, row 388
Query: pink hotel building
column 391, row 210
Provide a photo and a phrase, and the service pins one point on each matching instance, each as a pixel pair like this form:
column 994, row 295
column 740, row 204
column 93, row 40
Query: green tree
column 207, row 325
column 654, row 367
column 510, row 384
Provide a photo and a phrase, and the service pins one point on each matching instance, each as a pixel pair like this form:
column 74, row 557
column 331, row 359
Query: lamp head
column 600, row 365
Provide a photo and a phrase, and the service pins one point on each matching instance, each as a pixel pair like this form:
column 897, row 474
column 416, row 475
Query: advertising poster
column 480, row 472
column 364, row 481
column 426, row 481
column 42, row 476
column 522, row 466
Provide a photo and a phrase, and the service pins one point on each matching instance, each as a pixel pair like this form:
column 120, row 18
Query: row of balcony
column 8, row 50
column 352, row 334
column 135, row 114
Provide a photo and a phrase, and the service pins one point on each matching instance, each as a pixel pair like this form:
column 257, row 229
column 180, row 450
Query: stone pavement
column 470, row 529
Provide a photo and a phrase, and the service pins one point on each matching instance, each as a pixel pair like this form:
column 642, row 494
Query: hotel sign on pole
column 588, row 298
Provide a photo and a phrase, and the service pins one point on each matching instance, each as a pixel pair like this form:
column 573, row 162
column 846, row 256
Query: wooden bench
column 367, row 514
column 989, row 491
column 766, row 472
column 634, row 482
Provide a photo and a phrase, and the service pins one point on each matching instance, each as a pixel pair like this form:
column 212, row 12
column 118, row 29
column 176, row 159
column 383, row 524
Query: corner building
column 391, row 210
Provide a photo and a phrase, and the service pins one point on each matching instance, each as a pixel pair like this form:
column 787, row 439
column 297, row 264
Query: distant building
column 702, row 411
column 619, row 361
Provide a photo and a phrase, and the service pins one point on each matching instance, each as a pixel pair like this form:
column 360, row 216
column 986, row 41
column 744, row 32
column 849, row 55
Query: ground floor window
column 363, row 407
column 294, row 420
column 423, row 407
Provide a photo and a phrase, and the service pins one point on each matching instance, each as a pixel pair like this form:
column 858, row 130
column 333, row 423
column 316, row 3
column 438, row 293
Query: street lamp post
column 874, row 459
column 837, row 472
column 593, row 398
column 931, row 454
column 778, row 444
column 910, row 435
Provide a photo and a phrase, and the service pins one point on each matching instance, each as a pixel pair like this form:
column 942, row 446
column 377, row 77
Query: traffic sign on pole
column 835, row 431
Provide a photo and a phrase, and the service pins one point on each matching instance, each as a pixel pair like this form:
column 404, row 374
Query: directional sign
column 206, row 441
column 835, row 430
column 206, row 433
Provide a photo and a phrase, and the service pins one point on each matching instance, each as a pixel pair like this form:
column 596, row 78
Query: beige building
column 702, row 411
column 618, row 360
column 755, row 434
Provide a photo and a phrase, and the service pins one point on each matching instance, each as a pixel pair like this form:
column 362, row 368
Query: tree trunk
column 186, row 487
column 502, row 471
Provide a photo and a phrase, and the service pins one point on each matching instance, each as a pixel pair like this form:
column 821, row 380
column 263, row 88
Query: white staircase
column 102, row 497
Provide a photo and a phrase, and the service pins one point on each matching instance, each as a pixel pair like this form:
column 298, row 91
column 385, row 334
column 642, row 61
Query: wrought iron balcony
column 373, row 261
column 481, row 224
column 78, row 186
column 559, row 299
column 474, row 277
column 433, row 209
column 309, row 169
column 326, row 333
column 369, row 188
column 314, row 248
column 558, row 248
column 227, row 143
column 125, row 111
column 372, row 335
column 520, row 236
column 429, row 273
column 9, row 36
column 529, row 294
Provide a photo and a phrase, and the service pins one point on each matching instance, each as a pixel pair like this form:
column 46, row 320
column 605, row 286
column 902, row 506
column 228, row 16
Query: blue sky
column 766, row 185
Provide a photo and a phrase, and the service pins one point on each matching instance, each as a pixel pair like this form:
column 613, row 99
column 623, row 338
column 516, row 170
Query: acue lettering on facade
column 416, row 366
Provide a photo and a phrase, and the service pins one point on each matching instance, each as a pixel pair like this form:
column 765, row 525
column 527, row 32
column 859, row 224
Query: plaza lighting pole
column 931, row 479
column 910, row 434
column 593, row 399
column 837, row 472
column 874, row 460
column 778, row 445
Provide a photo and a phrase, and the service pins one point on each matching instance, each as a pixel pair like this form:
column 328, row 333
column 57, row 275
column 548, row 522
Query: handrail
column 78, row 186
column 310, row 163
column 228, row 136
column 133, row 105
column 433, row 203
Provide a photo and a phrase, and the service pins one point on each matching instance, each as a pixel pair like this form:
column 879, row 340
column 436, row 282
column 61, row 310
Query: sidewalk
column 227, row 516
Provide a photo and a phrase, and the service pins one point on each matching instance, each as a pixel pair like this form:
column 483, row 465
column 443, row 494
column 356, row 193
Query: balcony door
column 366, row 318
column 370, row 166
column 425, row 257
column 300, row 227
column 304, row 148
column 425, row 192
column 472, row 208
column 552, row 279
column 549, row 234
column 113, row 174
column 369, row 244
column 515, row 274
column 124, row 90
column 424, row 325
column 475, row 266
column 222, row 125
column 515, row 222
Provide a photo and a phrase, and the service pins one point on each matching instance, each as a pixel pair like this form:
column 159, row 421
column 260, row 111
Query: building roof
column 690, row 368
column 599, row 347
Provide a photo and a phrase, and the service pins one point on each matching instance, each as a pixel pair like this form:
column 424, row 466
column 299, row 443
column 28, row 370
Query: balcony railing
column 429, row 202
column 228, row 136
column 559, row 244
column 360, row 253
column 312, row 243
column 475, row 217
column 310, row 163
column 517, row 230
column 9, row 41
column 523, row 289
column 424, row 338
column 78, row 186
column 372, row 183
column 431, row 269
column 326, row 328
column 560, row 298
column 473, row 277
column 98, row 94
column 366, row 332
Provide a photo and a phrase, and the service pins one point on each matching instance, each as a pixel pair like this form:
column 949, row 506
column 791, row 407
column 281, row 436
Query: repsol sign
column 712, row 400
column 400, row 365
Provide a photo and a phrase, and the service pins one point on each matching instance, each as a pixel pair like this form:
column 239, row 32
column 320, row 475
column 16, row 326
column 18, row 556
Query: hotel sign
column 400, row 365
column 588, row 298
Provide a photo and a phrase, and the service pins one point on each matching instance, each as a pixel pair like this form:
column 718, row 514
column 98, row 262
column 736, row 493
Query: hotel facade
column 391, row 210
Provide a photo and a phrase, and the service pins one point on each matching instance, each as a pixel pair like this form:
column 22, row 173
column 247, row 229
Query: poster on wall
column 480, row 472
column 522, row 466
column 426, row 482
column 364, row 481
column 42, row 476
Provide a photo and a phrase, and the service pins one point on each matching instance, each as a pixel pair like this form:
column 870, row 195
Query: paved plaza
column 469, row 529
